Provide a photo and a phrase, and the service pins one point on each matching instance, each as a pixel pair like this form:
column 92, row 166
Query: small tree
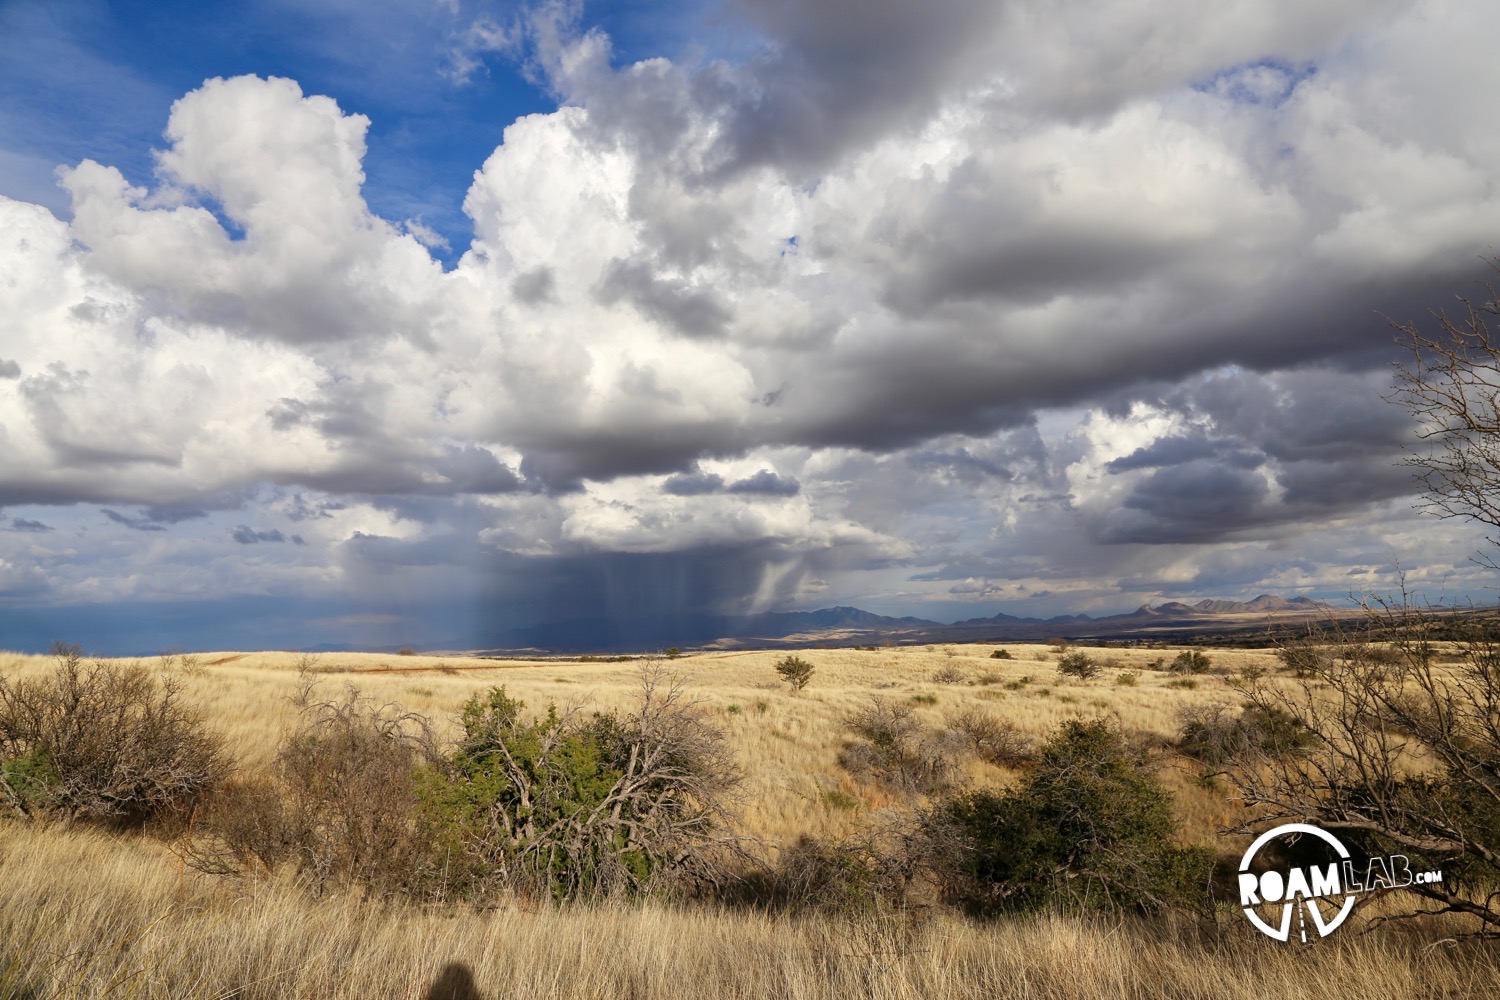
column 1078, row 664
column 795, row 671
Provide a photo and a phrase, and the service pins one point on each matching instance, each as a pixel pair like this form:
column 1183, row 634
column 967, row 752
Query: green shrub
column 1190, row 661
column 1213, row 736
column 840, row 799
column 1090, row 827
column 1078, row 664
column 571, row 806
column 1126, row 678
column 1001, row 654
column 795, row 671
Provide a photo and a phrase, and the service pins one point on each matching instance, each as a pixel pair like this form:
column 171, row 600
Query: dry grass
column 90, row 915
column 85, row 915
column 789, row 750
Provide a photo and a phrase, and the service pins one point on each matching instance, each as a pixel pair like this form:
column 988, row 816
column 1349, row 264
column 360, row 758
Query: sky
column 391, row 323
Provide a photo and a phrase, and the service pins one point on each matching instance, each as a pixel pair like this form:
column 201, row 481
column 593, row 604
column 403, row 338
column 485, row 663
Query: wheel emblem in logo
column 1302, row 893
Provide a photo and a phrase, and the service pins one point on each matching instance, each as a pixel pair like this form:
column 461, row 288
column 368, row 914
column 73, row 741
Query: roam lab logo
column 1315, row 890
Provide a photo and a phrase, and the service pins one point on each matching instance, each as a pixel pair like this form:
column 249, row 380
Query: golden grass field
column 89, row 914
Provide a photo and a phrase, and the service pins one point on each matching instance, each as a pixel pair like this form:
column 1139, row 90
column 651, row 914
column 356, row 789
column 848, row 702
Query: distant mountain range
column 845, row 626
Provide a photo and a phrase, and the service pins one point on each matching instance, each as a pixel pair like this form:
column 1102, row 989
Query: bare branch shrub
column 341, row 804
column 950, row 675
column 103, row 742
column 991, row 738
column 1451, row 384
column 897, row 750
column 1215, row 735
column 1401, row 757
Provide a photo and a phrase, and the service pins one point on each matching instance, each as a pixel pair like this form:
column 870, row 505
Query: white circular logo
column 1303, row 892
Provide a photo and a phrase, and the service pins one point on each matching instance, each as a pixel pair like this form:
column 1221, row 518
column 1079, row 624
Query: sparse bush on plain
column 897, row 750
column 991, row 738
column 105, row 743
column 561, row 806
column 1126, row 678
column 1001, row 654
column 795, row 671
column 1078, row 664
column 1214, row 735
column 1305, row 657
column 950, row 675
column 1190, row 661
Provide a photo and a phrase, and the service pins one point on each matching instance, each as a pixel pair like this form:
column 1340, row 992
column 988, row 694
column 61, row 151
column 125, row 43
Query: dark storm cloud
column 1193, row 502
column 301, row 508
column 651, row 599
column 23, row 525
column 472, row 469
column 1336, row 485
column 288, row 413
column 765, row 482
column 1176, row 449
column 840, row 72
column 691, row 484
column 1333, row 446
column 155, row 518
column 134, row 523
column 692, row 312
column 535, row 286
column 246, row 535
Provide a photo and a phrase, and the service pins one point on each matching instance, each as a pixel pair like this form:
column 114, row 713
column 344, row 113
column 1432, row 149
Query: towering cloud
column 1066, row 306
